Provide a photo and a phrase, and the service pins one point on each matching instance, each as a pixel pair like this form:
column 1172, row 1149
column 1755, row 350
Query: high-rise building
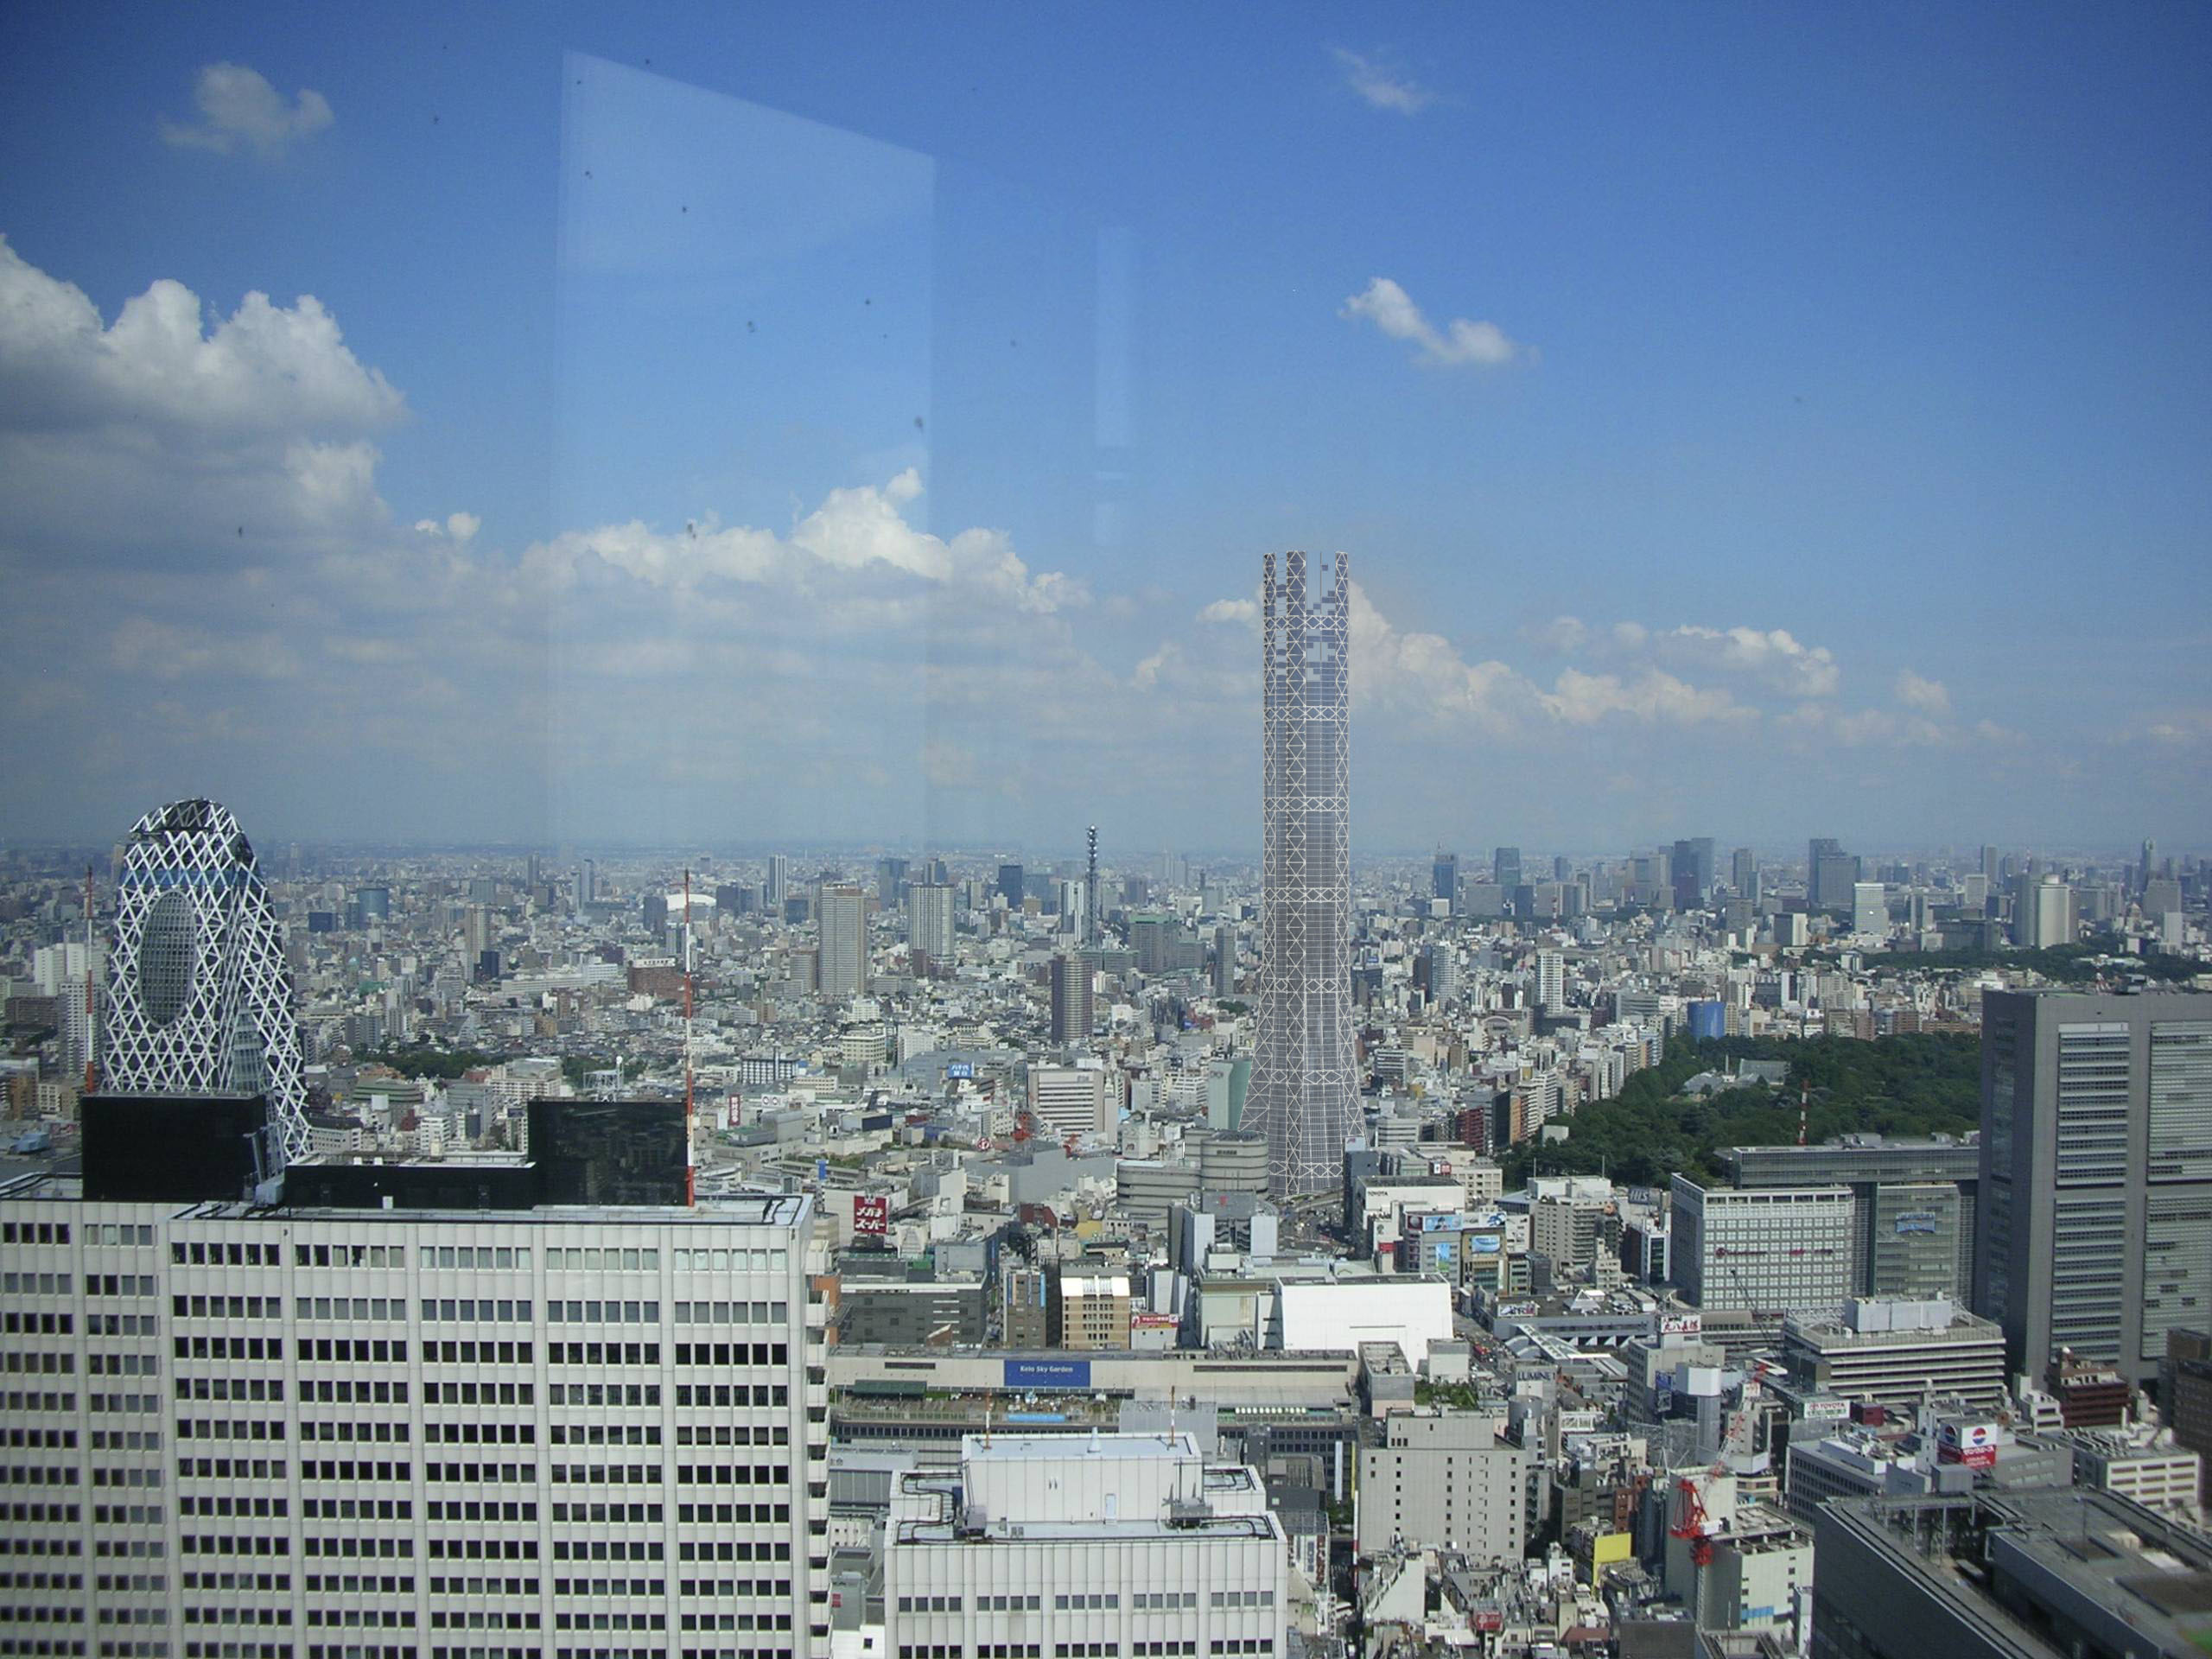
column 411, row 1431
column 928, row 919
column 1506, row 868
column 1694, row 872
column 1074, row 1005
column 1012, row 884
column 586, row 882
column 779, row 881
column 1443, row 877
column 1225, row 960
column 1772, row 1250
column 1551, row 981
column 2043, row 914
column 1912, row 1205
column 2094, row 1224
column 1870, row 909
column 1744, row 874
column 891, row 882
column 841, row 911
column 200, row 1000
column 1304, row 1088
column 2147, row 866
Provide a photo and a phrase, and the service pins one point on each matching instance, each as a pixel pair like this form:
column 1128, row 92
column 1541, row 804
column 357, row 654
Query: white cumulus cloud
column 1458, row 344
column 1379, row 86
column 1243, row 612
column 1930, row 696
column 264, row 368
column 859, row 535
column 238, row 109
column 1773, row 656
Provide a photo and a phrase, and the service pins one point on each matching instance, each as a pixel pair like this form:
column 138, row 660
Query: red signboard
column 871, row 1215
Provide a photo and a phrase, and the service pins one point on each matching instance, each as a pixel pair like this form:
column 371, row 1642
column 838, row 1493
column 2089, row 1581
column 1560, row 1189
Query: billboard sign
column 1971, row 1444
column 1825, row 1411
column 1918, row 1221
column 871, row 1215
column 1048, row 1374
column 1681, row 1324
column 960, row 1068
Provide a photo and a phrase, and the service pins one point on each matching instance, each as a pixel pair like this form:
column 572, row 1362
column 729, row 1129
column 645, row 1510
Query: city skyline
column 623, row 495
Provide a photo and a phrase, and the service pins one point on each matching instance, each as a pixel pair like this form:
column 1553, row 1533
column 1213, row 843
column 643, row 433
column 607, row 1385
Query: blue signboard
column 960, row 1068
column 1047, row 1373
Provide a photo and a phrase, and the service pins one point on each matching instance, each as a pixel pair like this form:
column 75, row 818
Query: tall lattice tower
column 1305, row 1095
column 199, row 999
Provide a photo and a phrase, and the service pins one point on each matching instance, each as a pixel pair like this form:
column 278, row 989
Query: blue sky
column 733, row 424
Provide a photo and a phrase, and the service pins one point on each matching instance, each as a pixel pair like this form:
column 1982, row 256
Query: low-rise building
column 1897, row 1353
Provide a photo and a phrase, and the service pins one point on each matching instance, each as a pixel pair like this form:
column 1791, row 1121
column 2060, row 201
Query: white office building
column 1764, row 1251
column 1445, row 1481
column 1060, row 1547
column 241, row 1432
column 1898, row 1354
column 1070, row 1099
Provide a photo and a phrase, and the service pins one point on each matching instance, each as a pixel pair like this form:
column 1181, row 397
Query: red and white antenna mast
column 91, row 1007
column 690, row 1156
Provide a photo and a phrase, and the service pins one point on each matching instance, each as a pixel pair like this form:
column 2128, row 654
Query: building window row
column 446, row 1509
column 192, row 1543
column 729, row 1514
column 650, row 1514
column 726, row 1353
column 54, row 1437
column 447, row 1310
column 492, row 1394
column 200, row 1253
column 13, row 1401
column 273, row 1507
column 34, row 1232
column 731, row 1313
column 723, row 1550
column 732, row 1434
column 605, row 1474
column 729, row 1260
column 38, row 1284
column 348, row 1255
column 483, row 1586
column 39, row 1364
column 731, row 1393
column 227, row 1308
column 478, row 1434
column 728, row 1588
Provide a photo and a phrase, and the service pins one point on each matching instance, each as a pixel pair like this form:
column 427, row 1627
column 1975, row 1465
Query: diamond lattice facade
column 1305, row 1093
column 199, row 998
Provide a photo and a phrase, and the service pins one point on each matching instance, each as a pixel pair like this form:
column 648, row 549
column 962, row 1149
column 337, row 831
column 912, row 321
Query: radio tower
column 92, row 1005
column 690, row 1156
column 1304, row 1092
column 1090, row 889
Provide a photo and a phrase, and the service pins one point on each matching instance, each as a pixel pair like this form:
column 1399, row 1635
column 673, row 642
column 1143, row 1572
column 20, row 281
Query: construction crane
column 1693, row 1524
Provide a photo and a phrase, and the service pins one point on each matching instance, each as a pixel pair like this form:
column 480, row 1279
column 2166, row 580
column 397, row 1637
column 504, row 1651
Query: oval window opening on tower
column 166, row 954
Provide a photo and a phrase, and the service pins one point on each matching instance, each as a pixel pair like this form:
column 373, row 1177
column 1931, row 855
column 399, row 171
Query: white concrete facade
column 252, row 1431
